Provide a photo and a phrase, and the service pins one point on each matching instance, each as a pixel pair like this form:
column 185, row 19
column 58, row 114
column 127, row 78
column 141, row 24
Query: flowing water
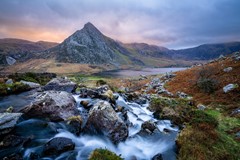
column 137, row 146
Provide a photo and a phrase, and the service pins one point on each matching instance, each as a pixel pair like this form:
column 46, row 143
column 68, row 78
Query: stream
column 137, row 146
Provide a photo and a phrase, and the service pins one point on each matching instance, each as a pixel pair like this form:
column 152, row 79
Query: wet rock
column 58, row 145
column 8, row 122
column 229, row 87
column 32, row 85
column 11, row 147
column 74, row 124
column 52, row 105
column 9, row 109
column 201, row 107
column 9, row 81
column 104, row 120
column 86, row 104
column 148, row 126
column 12, row 141
column 61, row 84
column 157, row 157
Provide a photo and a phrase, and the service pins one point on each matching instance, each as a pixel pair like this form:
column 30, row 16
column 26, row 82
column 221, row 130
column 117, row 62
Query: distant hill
column 19, row 50
column 207, row 51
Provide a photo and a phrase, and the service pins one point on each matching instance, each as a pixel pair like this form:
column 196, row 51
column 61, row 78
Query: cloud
column 170, row 23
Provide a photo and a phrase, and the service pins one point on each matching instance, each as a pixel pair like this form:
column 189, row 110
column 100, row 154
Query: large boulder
column 53, row 106
column 8, row 122
column 61, row 84
column 58, row 145
column 104, row 120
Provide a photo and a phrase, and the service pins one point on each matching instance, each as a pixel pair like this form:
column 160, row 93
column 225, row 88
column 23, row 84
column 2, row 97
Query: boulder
column 181, row 94
column 148, row 126
column 52, row 105
column 57, row 146
column 74, row 124
column 32, row 85
column 228, row 69
column 229, row 87
column 61, row 84
column 8, row 122
column 9, row 81
column 104, row 120
column 201, row 107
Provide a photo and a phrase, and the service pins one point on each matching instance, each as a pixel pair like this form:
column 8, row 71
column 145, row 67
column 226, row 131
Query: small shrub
column 103, row 154
column 100, row 82
column 207, row 85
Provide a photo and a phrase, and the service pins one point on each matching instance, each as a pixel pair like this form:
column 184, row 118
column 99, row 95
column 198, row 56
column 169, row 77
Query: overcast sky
column 169, row 23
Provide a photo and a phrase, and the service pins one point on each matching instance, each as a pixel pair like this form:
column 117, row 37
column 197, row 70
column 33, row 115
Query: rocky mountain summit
column 90, row 46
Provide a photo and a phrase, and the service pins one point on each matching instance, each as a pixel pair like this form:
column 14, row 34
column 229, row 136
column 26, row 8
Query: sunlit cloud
column 170, row 23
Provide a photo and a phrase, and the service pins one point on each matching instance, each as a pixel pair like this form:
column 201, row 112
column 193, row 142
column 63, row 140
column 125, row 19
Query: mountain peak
column 90, row 26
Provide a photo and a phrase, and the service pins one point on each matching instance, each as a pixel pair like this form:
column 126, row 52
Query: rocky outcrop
column 61, row 84
column 58, row 145
column 104, row 120
column 8, row 122
column 52, row 105
column 148, row 127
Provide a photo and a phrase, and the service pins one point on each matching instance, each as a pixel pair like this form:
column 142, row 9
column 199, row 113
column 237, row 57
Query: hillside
column 207, row 51
column 18, row 50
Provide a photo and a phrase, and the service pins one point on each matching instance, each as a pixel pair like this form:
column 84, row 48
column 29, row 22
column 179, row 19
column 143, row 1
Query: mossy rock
column 103, row 154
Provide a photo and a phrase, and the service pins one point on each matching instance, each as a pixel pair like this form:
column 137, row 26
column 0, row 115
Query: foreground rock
column 61, row 84
column 104, row 120
column 8, row 122
column 53, row 106
column 58, row 145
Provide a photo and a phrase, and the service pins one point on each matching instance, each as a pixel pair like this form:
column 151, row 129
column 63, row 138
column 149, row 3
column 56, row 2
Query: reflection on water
column 133, row 73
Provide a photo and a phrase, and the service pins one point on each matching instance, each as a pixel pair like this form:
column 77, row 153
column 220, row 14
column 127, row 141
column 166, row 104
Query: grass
column 103, row 154
column 207, row 137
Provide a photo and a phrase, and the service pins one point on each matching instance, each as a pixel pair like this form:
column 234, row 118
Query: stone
column 157, row 157
column 8, row 121
column 201, row 107
column 181, row 94
column 86, row 104
column 10, row 60
column 228, row 69
column 32, row 85
column 74, row 124
column 52, row 105
column 229, row 87
column 9, row 81
column 104, row 120
column 58, row 145
column 149, row 126
column 61, row 84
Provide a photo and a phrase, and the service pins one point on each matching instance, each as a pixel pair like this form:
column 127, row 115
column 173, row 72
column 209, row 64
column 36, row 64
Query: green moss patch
column 103, row 154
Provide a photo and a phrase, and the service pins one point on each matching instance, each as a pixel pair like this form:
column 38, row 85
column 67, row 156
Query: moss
column 14, row 88
column 103, row 154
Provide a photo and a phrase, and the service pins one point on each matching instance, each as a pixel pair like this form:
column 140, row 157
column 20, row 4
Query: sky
column 171, row 23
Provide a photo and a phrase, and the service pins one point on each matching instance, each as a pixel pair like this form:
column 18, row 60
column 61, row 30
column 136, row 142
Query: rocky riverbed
column 56, row 122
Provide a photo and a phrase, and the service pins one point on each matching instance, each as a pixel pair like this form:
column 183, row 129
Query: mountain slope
column 207, row 51
column 13, row 50
column 90, row 46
